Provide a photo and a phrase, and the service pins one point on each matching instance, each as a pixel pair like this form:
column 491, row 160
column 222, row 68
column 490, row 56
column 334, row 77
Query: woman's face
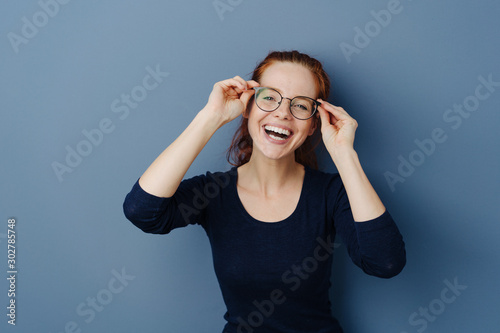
column 290, row 80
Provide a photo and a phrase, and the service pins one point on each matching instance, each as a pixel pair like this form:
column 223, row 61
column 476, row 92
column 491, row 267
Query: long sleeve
column 158, row 215
column 376, row 246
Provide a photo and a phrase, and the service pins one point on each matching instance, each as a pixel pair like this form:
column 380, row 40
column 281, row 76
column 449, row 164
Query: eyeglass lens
column 269, row 100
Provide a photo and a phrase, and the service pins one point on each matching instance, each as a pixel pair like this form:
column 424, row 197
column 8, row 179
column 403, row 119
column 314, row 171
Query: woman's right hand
column 229, row 98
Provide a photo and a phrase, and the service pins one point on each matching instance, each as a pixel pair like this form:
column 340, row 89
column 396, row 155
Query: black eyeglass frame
column 315, row 102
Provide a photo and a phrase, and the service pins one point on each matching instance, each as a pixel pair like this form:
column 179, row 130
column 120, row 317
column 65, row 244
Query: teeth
column 277, row 130
column 276, row 137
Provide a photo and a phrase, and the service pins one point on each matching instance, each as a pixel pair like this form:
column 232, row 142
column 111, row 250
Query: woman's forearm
column 365, row 203
column 226, row 102
column 164, row 175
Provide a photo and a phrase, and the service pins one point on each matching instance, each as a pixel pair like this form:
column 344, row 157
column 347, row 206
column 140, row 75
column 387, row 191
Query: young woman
column 272, row 218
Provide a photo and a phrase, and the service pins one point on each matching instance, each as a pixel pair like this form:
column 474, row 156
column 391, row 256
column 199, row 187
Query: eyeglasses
column 269, row 99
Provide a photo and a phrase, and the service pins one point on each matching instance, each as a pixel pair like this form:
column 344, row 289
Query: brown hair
column 241, row 146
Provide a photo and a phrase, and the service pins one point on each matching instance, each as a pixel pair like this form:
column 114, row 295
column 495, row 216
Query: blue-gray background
column 72, row 237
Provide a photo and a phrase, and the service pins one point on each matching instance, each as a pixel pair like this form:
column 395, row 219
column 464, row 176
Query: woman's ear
column 314, row 124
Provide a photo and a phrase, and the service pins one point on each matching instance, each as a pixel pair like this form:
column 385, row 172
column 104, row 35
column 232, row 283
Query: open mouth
column 276, row 133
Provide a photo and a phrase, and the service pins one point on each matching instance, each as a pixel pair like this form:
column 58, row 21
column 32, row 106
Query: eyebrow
column 281, row 92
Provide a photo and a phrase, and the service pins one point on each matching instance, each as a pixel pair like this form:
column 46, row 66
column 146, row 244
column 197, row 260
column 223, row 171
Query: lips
column 277, row 134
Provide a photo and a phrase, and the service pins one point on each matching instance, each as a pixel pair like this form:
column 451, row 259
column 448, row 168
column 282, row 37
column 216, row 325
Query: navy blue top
column 274, row 277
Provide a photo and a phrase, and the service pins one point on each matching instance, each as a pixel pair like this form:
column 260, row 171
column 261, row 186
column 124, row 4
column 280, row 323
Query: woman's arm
column 227, row 101
column 377, row 245
column 364, row 201
column 338, row 129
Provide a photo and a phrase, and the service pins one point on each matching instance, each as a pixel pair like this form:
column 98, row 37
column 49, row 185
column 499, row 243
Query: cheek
column 254, row 118
column 308, row 128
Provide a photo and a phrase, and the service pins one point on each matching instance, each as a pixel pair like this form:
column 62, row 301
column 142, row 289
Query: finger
column 239, row 91
column 325, row 117
column 340, row 118
column 248, row 91
column 233, row 83
column 332, row 108
column 325, row 103
column 242, row 83
column 246, row 95
column 335, row 120
column 338, row 115
column 245, row 85
column 251, row 84
column 240, row 86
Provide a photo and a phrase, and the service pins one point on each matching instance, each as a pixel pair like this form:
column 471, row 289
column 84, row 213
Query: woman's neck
column 269, row 176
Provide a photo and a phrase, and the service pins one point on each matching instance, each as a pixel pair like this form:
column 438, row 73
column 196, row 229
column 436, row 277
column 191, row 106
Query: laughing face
column 277, row 134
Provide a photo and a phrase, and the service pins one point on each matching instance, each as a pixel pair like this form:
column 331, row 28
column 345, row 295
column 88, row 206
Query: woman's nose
column 283, row 111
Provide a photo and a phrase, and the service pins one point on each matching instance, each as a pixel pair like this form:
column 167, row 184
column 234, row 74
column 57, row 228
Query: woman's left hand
column 337, row 127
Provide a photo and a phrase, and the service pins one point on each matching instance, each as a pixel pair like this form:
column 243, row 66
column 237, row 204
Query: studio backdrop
column 92, row 91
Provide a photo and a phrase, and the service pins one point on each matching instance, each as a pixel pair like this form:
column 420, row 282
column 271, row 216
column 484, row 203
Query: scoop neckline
column 275, row 223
